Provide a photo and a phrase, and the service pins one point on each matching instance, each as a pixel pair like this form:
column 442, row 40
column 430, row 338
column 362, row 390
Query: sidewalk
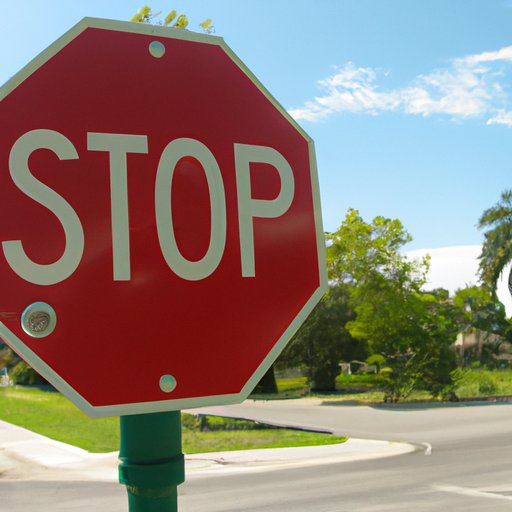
column 25, row 455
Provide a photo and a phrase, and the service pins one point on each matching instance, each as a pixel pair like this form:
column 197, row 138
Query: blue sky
column 409, row 102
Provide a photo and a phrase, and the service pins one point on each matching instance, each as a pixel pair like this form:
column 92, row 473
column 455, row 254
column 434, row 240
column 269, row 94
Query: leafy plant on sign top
column 146, row 15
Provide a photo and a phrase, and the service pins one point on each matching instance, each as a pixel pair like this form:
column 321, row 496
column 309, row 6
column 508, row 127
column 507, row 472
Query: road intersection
column 456, row 457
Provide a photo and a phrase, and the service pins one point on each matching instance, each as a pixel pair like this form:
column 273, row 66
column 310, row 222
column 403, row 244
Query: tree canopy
column 412, row 330
column 497, row 247
column 323, row 340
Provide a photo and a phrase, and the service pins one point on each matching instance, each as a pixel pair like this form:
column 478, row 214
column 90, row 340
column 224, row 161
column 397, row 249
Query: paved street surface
column 456, row 458
column 464, row 462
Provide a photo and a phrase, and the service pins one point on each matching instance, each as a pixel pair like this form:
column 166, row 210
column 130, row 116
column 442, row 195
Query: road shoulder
column 25, row 455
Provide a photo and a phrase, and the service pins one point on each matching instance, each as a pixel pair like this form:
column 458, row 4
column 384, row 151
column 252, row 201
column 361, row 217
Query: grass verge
column 483, row 383
column 203, row 442
column 364, row 389
column 52, row 415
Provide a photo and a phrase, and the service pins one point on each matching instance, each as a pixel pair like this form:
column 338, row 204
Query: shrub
column 22, row 373
column 190, row 422
column 362, row 380
column 487, row 386
column 377, row 360
column 200, row 423
column 215, row 423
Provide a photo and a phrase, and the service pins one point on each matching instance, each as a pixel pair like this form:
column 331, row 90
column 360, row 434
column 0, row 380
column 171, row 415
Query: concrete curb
column 25, row 455
column 277, row 458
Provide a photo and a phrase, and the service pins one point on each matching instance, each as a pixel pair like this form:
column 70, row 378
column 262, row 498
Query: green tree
column 358, row 251
column 478, row 310
column 497, row 247
column 439, row 329
column 323, row 341
column 411, row 329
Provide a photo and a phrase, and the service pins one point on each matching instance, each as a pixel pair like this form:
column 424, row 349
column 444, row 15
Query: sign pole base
column 152, row 465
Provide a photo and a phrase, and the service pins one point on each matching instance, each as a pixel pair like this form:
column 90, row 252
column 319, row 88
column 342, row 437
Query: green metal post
column 152, row 465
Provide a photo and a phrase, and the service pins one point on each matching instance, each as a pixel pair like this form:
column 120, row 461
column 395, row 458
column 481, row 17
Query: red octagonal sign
column 160, row 224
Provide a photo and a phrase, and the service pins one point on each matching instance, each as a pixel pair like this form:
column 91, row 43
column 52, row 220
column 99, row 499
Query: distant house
column 472, row 344
column 357, row 367
column 4, row 378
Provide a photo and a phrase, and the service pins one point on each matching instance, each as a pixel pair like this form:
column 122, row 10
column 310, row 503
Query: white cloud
column 457, row 267
column 450, row 267
column 503, row 54
column 469, row 87
column 502, row 117
column 350, row 89
column 460, row 91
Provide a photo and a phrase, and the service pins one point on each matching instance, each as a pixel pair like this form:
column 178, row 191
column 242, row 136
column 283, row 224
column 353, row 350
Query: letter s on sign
column 20, row 173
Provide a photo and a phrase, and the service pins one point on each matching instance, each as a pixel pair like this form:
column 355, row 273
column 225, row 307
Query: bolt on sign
column 160, row 225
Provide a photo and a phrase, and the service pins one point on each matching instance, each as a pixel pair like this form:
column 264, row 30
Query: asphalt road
column 463, row 463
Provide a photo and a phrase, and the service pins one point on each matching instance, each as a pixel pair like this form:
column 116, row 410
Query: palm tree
column 497, row 246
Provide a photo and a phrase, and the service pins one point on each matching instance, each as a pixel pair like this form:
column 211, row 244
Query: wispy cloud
column 503, row 54
column 469, row 87
column 502, row 117
column 350, row 89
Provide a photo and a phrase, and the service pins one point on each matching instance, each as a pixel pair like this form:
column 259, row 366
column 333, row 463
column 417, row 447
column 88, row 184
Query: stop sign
column 160, row 223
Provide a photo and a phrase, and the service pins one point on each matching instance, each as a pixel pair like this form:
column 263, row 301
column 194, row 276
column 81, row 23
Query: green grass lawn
column 52, row 415
column 203, row 442
column 356, row 390
column 364, row 389
column 482, row 383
